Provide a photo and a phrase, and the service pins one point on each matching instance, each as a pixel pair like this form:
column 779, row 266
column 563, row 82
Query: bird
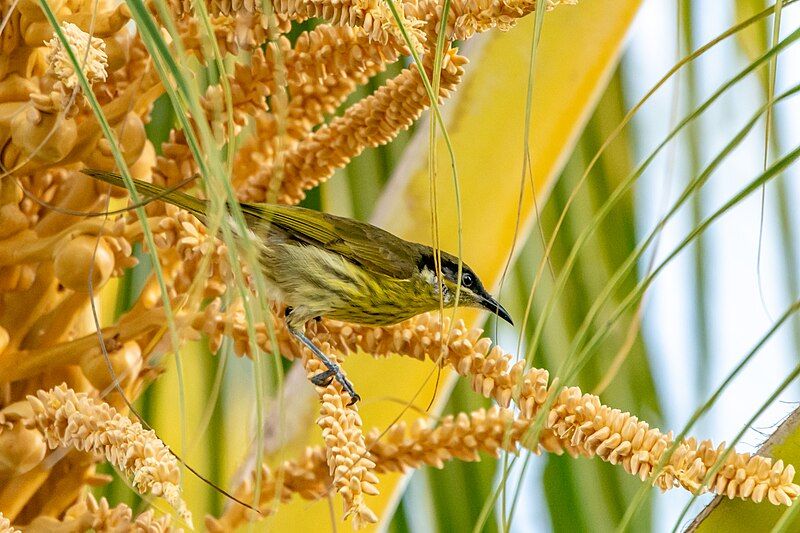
column 322, row 265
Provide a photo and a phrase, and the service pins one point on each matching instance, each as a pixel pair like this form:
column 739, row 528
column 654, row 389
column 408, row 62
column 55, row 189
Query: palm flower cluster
column 61, row 411
column 575, row 423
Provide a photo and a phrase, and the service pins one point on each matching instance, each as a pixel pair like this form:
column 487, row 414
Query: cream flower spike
column 76, row 420
column 93, row 62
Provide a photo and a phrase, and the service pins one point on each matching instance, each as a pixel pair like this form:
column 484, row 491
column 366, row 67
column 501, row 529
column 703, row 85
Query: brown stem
column 27, row 363
column 17, row 490
column 52, row 327
column 23, row 311
column 27, row 247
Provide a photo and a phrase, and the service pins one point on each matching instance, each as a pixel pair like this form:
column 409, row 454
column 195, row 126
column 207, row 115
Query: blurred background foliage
column 635, row 371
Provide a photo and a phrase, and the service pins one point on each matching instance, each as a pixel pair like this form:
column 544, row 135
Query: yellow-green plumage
column 321, row 265
column 316, row 282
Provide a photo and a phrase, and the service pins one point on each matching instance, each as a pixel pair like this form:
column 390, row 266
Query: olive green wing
column 364, row 244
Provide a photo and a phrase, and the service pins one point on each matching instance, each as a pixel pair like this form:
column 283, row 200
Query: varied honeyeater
column 321, row 265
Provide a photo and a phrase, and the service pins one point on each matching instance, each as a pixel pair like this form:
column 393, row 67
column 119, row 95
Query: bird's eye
column 467, row 279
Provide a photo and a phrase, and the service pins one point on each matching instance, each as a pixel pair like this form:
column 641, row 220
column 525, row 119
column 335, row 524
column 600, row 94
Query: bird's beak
column 494, row 306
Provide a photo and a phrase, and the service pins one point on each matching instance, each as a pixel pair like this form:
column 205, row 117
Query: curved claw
column 354, row 398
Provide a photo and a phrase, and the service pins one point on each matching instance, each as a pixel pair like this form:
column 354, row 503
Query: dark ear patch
column 426, row 261
column 449, row 268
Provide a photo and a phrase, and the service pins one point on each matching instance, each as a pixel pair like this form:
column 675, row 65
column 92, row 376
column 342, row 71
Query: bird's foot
column 323, row 379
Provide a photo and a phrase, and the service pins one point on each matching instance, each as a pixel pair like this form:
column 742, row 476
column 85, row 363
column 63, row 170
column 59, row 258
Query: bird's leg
column 323, row 379
column 334, row 372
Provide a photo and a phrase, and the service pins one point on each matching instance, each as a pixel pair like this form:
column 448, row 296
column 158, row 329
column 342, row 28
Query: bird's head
column 472, row 293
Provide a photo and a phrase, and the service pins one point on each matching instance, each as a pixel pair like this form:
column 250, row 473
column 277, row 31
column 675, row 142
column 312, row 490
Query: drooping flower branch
column 347, row 456
column 89, row 513
column 578, row 424
column 69, row 419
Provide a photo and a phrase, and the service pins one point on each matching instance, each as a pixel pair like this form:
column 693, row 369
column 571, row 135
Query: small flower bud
column 131, row 137
column 126, row 362
column 21, row 447
column 4, row 338
column 12, row 220
column 74, row 260
column 48, row 137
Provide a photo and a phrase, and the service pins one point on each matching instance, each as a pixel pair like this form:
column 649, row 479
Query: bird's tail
column 181, row 199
